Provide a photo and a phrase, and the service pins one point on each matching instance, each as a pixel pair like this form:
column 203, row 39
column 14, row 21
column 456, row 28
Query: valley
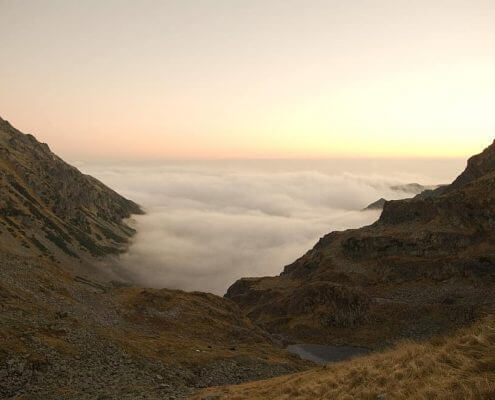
column 416, row 288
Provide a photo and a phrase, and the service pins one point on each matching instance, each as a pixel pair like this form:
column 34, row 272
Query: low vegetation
column 71, row 337
column 461, row 366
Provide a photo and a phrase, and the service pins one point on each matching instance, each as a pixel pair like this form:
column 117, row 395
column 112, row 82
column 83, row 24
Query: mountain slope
column 67, row 332
column 425, row 267
column 49, row 209
column 460, row 367
column 64, row 337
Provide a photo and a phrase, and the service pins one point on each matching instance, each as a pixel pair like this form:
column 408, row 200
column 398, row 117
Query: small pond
column 326, row 354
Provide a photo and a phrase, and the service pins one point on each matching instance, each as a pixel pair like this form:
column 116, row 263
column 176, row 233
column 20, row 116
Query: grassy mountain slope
column 457, row 367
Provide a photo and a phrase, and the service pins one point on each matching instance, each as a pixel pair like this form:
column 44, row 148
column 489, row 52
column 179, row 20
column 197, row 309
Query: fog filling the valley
column 209, row 224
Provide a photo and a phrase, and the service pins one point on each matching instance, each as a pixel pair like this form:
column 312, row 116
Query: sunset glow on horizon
column 279, row 79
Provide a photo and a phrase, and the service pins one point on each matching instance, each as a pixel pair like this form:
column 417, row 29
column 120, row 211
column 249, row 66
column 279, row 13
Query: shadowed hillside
column 425, row 267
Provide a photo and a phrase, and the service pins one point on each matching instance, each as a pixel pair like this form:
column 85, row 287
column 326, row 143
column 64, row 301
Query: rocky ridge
column 425, row 267
column 49, row 209
column 65, row 332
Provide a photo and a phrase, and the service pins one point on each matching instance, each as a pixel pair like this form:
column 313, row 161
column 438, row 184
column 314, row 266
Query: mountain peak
column 477, row 166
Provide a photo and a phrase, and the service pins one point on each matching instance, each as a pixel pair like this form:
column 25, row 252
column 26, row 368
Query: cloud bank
column 207, row 225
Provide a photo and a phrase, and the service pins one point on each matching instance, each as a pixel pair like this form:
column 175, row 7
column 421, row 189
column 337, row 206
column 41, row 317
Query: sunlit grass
column 460, row 367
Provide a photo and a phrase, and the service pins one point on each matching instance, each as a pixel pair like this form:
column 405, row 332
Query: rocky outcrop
column 426, row 266
column 50, row 209
column 478, row 166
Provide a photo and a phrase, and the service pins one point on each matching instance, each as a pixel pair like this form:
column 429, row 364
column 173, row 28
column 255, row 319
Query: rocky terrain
column 410, row 188
column 50, row 210
column 68, row 333
column 62, row 336
column 424, row 268
column 460, row 366
column 68, row 330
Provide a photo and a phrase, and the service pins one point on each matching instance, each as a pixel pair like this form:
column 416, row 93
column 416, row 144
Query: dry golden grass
column 461, row 366
column 176, row 326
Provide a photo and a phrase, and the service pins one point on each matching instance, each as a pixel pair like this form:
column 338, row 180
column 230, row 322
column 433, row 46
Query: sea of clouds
column 208, row 224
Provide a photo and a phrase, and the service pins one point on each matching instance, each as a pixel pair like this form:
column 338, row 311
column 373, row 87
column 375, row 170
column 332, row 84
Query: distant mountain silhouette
column 377, row 205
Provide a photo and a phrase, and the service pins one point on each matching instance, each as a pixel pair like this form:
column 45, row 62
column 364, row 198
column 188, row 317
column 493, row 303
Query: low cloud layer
column 207, row 225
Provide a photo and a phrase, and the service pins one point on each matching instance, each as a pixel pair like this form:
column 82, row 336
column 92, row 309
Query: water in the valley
column 321, row 354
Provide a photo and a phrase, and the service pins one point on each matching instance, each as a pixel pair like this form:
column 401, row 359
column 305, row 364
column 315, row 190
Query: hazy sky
column 250, row 79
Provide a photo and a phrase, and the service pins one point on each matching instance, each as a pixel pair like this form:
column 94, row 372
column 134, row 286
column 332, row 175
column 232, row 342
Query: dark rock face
column 52, row 208
column 477, row 167
column 339, row 306
column 400, row 272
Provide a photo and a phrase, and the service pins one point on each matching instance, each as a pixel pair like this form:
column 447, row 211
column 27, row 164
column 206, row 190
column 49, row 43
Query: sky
column 223, row 79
